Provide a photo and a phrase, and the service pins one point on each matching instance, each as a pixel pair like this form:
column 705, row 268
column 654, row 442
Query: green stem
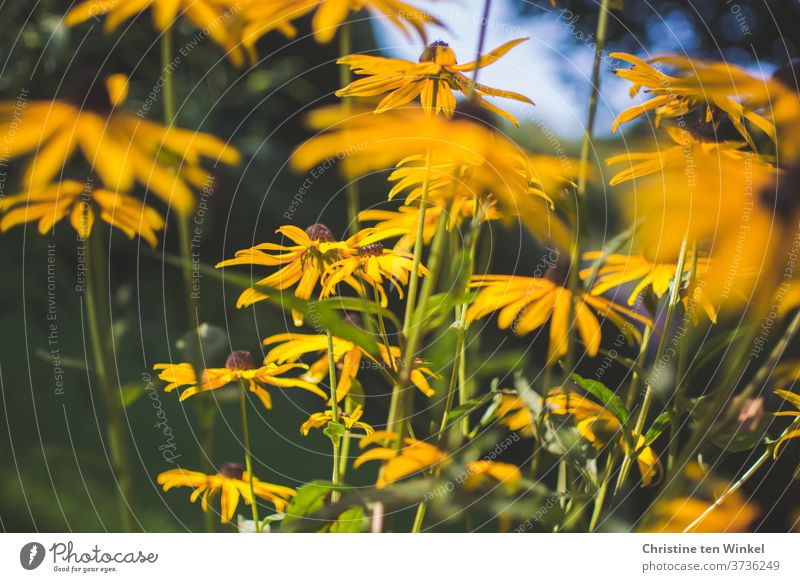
column 345, row 77
column 600, row 497
column 413, row 282
column 248, row 461
column 335, row 476
column 166, row 73
column 97, row 280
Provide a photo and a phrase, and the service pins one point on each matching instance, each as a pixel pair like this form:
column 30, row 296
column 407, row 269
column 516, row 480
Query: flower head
column 212, row 16
column 483, row 471
column 434, row 79
column 350, row 421
column 794, row 400
column 78, row 201
column 527, row 303
column 414, row 457
column 239, row 367
column 121, row 148
column 231, row 482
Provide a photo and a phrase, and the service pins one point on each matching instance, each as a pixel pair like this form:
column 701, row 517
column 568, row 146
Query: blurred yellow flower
column 698, row 83
column 598, row 426
column 122, row 148
column 49, row 204
column 515, row 414
column 231, row 482
column 794, row 400
column 239, row 367
column 479, row 472
column 211, row 16
column 350, row 421
column 414, row 457
column 434, row 79
column 527, row 303
column 349, row 358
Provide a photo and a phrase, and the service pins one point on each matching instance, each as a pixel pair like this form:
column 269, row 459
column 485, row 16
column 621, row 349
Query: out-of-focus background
column 54, row 472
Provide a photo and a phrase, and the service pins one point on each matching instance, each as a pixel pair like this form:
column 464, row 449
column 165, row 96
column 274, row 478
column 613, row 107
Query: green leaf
column 659, row 424
column 131, row 392
column 610, row 400
column 309, row 498
column 351, row 521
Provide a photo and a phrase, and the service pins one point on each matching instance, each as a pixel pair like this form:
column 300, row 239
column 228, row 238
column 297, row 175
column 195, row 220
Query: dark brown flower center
column 320, row 232
column 430, row 52
column 558, row 273
column 232, row 470
column 240, row 360
column 371, row 250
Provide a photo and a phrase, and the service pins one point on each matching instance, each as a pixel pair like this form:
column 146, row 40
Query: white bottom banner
column 389, row 557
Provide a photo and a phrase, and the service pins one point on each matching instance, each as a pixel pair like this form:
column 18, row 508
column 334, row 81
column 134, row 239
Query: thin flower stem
column 335, row 476
column 166, row 73
column 248, row 461
column 674, row 298
column 419, row 517
column 600, row 497
column 583, row 175
column 115, row 409
column 734, row 487
column 344, row 453
column 345, row 77
column 487, row 7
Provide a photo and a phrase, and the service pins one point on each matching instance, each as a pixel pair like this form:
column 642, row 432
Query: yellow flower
column 347, row 355
column 414, row 457
column 597, row 425
column 232, row 482
column 373, row 264
column 315, row 249
column 666, row 156
column 350, row 421
column 262, row 17
column 433, row 79
column 515, row 414
column 698, row 83
column 239, row 367
column 733, row 515
column 527, row 303
column 210, row 16
column 49, row 204
column 122, row 148
column 478, row 472
column 462, row 148
column 617, row 270
column 794, row 400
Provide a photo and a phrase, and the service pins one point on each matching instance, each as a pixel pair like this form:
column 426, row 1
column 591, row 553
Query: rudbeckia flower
column 350, row 421
column 597, row 425
column 213, row 17
column 374, row 265
column 479, row 472
column 514, row 414
column 304, row 262
column 239, row 367
column 231, row 482
column 733, row 515
column 122, row 148
column 676, row 156
column 527, row 303
column 492, row 164
column 414, row 457
column 616, row 270
column 698, row 83
column 794, row 400
column 49, row 204
column 349, row 358
column 329, row 15
column 434, row 79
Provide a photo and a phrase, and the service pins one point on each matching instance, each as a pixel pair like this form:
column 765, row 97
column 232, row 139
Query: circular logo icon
column 31, row 555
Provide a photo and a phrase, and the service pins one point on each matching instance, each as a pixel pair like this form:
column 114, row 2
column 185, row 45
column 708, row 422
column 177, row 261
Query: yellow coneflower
column 350, row 421
column 211, row 16
column 414, row 457
column 122, row 148
column 616, row 270
column 479, row 472
column 304, row 263
column 494, row 165
column 239, row 367
column 372, row 264
column 516, row 416
column 527, row 303
column 794, row 400
column 291, row 347
column 329, row 15
column 597, row 425
column 733, row 515
column 50, row 204
column 434, row 79
column 231, row 482
column 698, row 83
column 672, row 156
